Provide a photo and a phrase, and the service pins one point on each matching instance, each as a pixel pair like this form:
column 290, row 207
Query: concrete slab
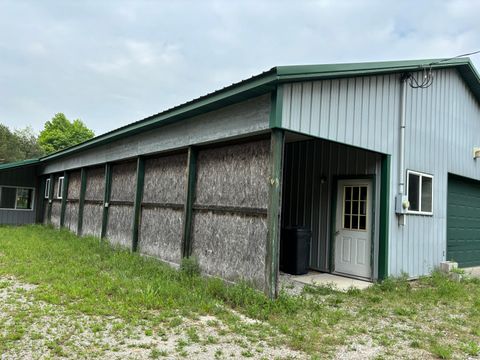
column 473, row 271
column 337, row 282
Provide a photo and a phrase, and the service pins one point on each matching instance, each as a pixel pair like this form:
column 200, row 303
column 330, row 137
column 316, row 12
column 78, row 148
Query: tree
column 28, row 143
column 18, row 145
column 60, row 133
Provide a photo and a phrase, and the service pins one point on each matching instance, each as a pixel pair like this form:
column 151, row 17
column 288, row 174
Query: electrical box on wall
column 401, row 204
column 476, row 152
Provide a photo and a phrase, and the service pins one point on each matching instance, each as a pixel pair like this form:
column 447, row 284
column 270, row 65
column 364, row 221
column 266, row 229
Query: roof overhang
column 267, row 82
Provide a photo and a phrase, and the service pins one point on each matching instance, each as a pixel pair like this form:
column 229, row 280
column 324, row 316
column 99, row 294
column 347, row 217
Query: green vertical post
column 106, row 198
column 64, row 198
column 137, row 213
column 81, row 201
column 189, row 199
column 51, row 190
column 384, row 217
column 274, row 212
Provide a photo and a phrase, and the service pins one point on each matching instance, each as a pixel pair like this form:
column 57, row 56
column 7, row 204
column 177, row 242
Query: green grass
column 88, row 276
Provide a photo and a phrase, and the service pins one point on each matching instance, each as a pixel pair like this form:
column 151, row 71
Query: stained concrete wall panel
column 123, row 182
column 45, row 212
column 71, row 216
column 56, row 208
column 119, row 229
column 231, row 246
column 74, row 185
column 95, row 189
column 92, row 219
column 161, row 234
column 165, row 179
column 235, row 175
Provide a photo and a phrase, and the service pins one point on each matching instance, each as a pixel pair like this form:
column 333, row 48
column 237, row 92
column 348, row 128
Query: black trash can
column 295, row 250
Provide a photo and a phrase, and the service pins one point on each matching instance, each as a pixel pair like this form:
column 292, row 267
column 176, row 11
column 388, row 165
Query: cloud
column 113, row 62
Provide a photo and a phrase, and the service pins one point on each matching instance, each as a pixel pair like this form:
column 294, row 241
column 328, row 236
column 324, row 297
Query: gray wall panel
column 231, row 246
column 92, row 219
column 161, row 234
column 442, row 127
column 234, row 175
column 165, row 179
column 119, row 228
column 247, row 117
column 123, row 181
column 74, row 185
column 56, row 207
column 16, row 217
column 95, row 189
column 71, row 216
column 45, row 212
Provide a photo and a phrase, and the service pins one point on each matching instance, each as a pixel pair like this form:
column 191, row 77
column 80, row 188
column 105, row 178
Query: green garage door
column 463, row 221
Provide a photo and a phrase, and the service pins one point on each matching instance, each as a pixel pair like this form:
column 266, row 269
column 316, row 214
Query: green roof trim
column 268, row 82
column 19, row 164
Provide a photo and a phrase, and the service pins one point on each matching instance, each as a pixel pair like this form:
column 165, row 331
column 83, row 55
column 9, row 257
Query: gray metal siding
column 17, row 217
column 18, row 177
column 443, row 125
column 247, row 117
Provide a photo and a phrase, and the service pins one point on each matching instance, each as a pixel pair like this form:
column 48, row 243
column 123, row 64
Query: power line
column 426, row 79
column 455, row 57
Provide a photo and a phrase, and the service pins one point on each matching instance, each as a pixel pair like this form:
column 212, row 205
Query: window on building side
column 24, row 199
column 16, row 198
column 47, row 189
column 420, row 193
column 60, row 187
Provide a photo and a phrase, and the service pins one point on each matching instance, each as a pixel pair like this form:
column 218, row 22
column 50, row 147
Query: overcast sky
column 110, row 63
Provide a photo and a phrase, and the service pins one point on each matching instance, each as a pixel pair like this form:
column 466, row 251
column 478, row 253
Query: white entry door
column 353, row 233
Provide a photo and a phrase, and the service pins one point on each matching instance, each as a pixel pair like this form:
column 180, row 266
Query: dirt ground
column 38, row 330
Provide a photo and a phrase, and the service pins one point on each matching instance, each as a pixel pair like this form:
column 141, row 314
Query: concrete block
column 448, row 266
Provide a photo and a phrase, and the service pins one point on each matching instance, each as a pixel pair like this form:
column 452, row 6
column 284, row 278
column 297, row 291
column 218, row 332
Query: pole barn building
column 380, row 161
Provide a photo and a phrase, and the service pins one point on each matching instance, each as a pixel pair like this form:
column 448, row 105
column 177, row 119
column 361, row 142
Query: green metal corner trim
column 64, row 198
column 274, row 212
column 137, row 211
column 50, row 198
column 384, row 217
column 106, row 198
column 276, row 108
column 189, row 199
column 81, row 202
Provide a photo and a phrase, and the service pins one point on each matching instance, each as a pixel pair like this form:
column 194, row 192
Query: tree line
column 57, row 134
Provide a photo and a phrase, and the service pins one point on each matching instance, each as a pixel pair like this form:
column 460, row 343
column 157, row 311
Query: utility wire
column 426, row 79
column 455, row 57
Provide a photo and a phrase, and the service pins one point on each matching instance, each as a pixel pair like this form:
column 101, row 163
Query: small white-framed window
column 420, row 192
column 60, row 187
column 47, row 189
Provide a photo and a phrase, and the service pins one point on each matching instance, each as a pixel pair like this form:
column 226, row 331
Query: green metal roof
column 18, row 164
column 266, row 82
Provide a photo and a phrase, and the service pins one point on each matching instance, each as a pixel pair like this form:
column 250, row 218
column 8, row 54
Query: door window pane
column 355, row 207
